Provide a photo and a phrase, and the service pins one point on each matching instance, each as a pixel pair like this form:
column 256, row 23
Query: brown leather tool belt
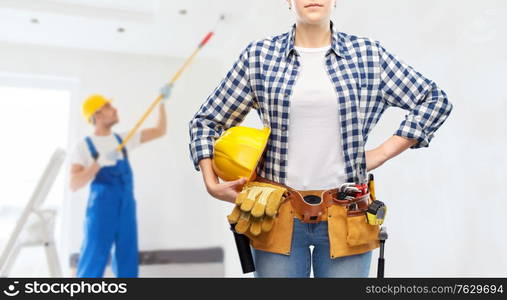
column 311, row 206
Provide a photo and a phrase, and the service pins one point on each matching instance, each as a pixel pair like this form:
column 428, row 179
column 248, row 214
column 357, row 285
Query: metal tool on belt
column 375, row 216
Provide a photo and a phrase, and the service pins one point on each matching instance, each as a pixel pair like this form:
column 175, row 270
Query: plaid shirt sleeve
column 226, row 107
column 401, row 86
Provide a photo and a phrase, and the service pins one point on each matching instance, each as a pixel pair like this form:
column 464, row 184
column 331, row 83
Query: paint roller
column 114, row 154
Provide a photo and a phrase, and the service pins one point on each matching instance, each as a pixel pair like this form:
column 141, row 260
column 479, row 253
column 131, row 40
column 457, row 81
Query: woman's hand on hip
column 389, row 149
column 374, row 159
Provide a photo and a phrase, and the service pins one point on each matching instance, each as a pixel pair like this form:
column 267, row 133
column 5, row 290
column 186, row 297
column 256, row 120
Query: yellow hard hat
column 238, row 151
column 92, row 104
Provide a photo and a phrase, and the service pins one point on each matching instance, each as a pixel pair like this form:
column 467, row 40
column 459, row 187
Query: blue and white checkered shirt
column 367, row 78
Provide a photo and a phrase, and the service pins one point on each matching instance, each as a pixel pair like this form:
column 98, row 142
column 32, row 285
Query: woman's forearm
column 208, row 175
column 389, row 149
column 395, row 145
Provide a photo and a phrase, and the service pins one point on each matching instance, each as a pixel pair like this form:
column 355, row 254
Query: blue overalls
column 110, row 219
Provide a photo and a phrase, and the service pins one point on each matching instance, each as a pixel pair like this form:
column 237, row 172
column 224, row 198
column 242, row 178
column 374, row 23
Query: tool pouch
column 359, row 231
column 279, row 238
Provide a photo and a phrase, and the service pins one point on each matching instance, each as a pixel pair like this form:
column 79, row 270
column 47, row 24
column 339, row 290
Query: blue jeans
column 301, row 259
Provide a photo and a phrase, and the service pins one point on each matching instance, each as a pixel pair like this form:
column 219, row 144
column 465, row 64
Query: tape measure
column 376, row 213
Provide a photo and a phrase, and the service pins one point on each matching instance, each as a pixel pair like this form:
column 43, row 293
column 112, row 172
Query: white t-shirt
column 81, row 155
column 315, row 154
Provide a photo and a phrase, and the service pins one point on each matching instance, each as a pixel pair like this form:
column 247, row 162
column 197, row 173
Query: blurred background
column 446, row 203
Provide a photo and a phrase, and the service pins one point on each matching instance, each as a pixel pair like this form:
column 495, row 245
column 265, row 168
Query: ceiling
column 174, row 28
column 154, row 27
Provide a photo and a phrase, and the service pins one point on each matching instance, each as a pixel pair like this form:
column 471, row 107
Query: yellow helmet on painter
column 238, row 151
column 92, row 104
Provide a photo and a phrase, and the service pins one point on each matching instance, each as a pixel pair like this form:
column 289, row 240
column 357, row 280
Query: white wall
column 446, row 203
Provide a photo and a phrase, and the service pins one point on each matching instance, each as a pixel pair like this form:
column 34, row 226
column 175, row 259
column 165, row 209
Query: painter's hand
column 165, row 92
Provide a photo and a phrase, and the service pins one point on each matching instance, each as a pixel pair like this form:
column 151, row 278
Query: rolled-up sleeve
column 226, row 107
column 428, row 106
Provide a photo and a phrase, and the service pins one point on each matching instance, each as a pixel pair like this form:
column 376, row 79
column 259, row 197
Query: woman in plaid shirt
column 321, row 92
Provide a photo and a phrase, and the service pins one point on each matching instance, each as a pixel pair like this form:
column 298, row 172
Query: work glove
column 256, row 207
column 165, row 92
